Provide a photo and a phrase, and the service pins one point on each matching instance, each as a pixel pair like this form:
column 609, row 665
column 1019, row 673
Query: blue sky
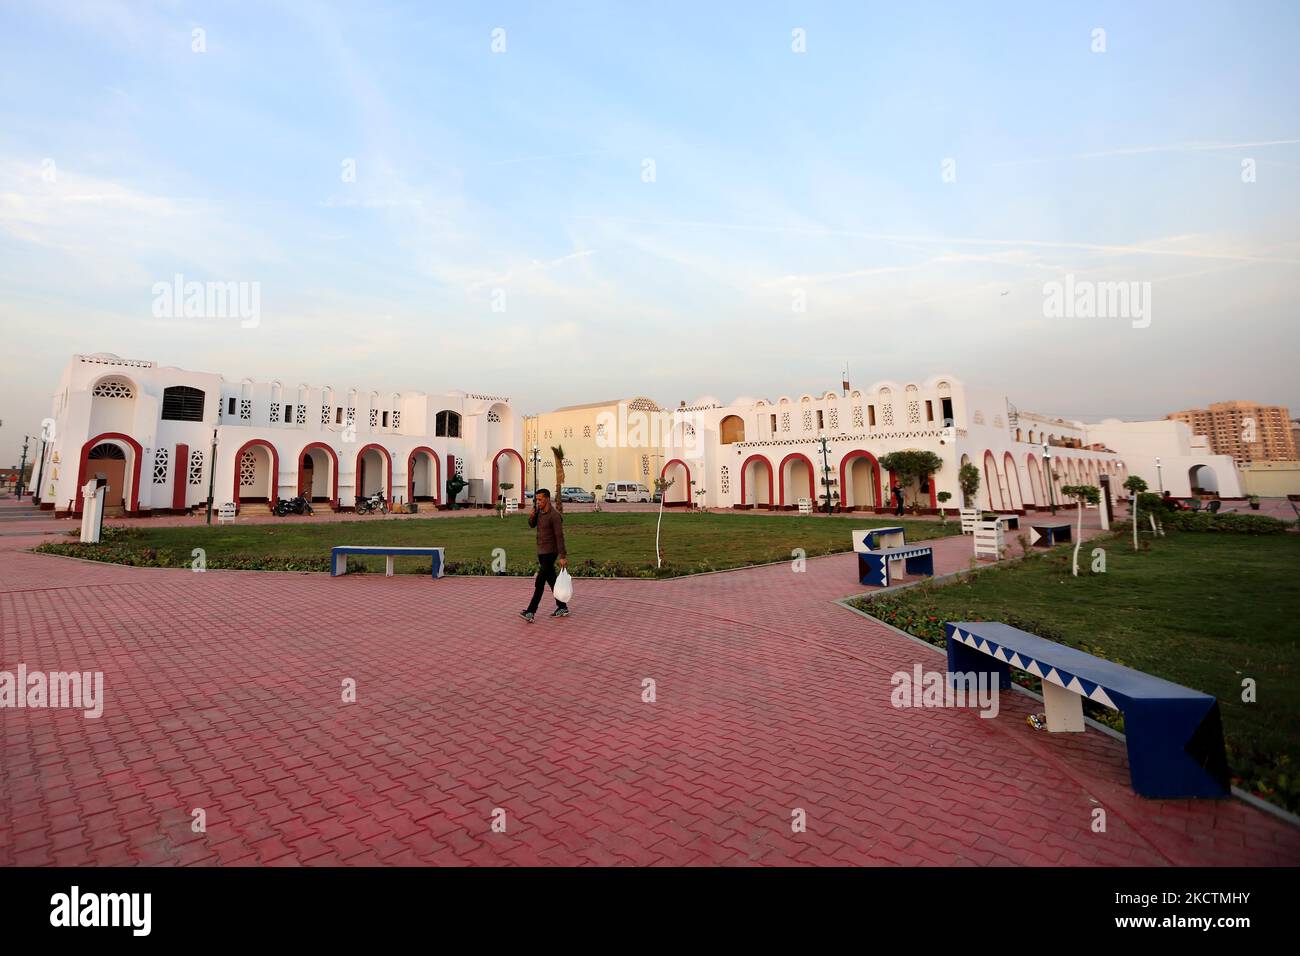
column 777, row 174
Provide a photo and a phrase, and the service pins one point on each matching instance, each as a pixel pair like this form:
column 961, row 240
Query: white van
column 626, row 491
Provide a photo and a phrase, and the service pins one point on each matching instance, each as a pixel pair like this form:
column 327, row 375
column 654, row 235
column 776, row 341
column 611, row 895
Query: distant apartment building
column 594, row 438
column 1245, row 431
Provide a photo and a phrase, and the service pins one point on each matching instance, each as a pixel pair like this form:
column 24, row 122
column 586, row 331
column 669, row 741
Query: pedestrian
column 550, row 552
column 898, row 499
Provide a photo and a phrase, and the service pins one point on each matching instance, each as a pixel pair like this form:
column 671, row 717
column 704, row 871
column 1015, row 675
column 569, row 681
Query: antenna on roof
column 844, row 379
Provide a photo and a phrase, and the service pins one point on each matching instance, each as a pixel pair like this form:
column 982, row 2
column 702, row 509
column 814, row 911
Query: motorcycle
column 292, row 506
column 371, row 504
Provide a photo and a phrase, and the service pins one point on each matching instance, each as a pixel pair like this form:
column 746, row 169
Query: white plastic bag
column 563, row 589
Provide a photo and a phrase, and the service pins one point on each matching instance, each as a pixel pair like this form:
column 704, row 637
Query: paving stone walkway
column 223, row 693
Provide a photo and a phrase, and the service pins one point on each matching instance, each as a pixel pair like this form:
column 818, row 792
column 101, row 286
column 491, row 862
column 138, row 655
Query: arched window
column 182, row 404
column 447, row 425
column 732, row 429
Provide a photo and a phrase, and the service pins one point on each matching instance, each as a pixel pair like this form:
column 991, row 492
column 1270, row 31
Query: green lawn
column 598, row 543
column 1203, row 610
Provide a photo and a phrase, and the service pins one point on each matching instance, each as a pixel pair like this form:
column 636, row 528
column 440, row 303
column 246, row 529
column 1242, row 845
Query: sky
column 567, row 202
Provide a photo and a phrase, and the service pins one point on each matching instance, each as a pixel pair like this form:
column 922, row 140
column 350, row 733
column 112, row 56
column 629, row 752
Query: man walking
column 550, row 551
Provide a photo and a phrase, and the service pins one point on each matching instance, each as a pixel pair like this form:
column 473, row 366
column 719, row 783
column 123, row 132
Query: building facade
column 594, row 455
column 758, row 453
column 1245, row 431
column 152, row 431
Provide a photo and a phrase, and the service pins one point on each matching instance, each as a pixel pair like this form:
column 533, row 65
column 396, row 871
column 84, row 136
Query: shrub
column 1229, row 522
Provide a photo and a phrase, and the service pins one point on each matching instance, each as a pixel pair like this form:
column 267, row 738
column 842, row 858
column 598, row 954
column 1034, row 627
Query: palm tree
column 558, row 497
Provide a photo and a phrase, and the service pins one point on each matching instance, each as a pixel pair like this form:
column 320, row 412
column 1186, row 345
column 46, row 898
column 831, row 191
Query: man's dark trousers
column 546, row 574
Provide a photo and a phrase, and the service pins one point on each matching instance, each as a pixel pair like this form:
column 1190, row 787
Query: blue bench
column 1175, row 735
column 1049, row 534
column 877, row 568
column 873, row 539
column 339, row 557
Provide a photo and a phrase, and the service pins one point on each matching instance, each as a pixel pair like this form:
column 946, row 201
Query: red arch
column 334, row 489
column 84, row 467
column 356, row 492
column 1009, row 466
column 844, row 476
column 690, row 495
column 410, row 472
column 745, row 468
column 523, row 473
column 812, row 475
column 275, row 470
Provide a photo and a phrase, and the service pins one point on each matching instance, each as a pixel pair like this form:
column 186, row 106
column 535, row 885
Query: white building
column 1170, row 458
column 755, row 453
column 150, row 432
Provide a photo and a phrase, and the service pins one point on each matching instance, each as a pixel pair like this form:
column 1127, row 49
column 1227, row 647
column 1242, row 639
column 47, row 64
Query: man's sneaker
column 527, row 616
column 560, row 612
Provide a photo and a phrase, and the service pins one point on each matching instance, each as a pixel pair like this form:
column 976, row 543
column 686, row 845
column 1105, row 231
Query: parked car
column 626, row 491
column 578, row 495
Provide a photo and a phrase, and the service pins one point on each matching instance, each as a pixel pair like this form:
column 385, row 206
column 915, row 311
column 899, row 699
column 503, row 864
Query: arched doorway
column 508, row 467
column 993, row 484
column 257, row 464
column 1014, row 491
column 318, row 474
column 731, row 430
column 423, row 480
column 1036, row 486
column 756, row 482
column 860, row 481
column 1202, row 480
column 106, row 447
column 374, row 473
column 796, row 479
column 679, row 474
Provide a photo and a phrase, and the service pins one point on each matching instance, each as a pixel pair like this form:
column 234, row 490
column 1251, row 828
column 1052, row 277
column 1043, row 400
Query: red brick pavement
column 223, row 693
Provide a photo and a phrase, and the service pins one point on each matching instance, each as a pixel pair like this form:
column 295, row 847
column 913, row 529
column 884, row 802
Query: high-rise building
column 1248, row 431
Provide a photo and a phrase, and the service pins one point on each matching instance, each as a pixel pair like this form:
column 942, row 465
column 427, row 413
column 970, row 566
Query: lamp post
column 40, row 471
column 826, row 468
column 1051, row 481
column 537, row 456
column 212, row 473
column 22, row 466
column 1160, row 478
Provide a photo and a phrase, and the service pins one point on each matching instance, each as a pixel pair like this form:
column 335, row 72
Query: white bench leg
column 388, row 570
column 1064, row 709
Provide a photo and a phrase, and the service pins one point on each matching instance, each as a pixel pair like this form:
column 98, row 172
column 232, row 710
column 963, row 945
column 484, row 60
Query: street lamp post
column 826, row 468
column 22, row 466
column 40, row 470
column 537, row 455
column 212, row 473
column 1051, row 481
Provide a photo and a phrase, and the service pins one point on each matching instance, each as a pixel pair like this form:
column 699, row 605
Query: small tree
column 505, row 487
column 910, row 465
column 1090, row 494
column 1134, row 485
column 661, row 486
column 558, row 496
column 944, row 497
column 968, row 480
